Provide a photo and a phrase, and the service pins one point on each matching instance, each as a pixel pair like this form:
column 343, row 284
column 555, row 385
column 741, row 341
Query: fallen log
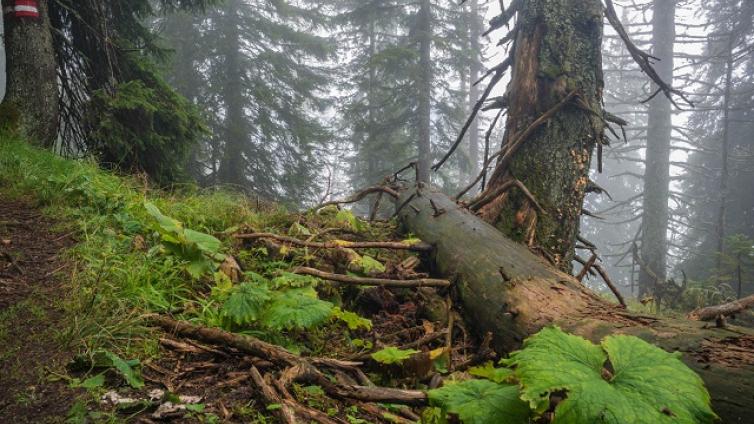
column 727, row 309
column 503, row 288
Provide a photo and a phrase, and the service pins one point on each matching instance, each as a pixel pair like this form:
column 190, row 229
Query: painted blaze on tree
column 556, row 52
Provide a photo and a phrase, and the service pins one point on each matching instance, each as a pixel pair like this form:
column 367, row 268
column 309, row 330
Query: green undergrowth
column 142, row 251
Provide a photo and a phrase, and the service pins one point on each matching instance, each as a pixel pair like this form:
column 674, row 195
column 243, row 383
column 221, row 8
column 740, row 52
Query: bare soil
column 30, row 316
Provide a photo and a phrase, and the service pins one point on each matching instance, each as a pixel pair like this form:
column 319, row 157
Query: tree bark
column 557, row 51
column 654, row 243
column 504, row 289
column 31, row 97
column 424, row 109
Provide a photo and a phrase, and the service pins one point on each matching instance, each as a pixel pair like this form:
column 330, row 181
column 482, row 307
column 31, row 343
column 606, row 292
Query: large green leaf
column 488, row 371
column 206, row 242
column 168, row 224
column 246, row 303
column 393, row 355
column 640, row 384
column 127, row 369
column 482, row 402
column 296, row 309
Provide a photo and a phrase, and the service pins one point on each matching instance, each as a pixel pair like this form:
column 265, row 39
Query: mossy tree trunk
column 31, row 97
column 557, row 51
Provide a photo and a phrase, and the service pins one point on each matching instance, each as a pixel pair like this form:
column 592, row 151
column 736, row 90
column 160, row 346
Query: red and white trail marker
column 23, row 9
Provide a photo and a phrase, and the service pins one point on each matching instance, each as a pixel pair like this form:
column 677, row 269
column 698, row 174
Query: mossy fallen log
column 505, row 289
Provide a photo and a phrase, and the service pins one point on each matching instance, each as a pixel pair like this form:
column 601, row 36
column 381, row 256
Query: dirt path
column 31, row 292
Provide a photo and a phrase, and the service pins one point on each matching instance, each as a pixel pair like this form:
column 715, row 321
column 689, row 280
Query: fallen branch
column 483, row 201
column 304, row 373
column 727, row 309
column 336, row 244
column 610, row 284
column 299, row 368
column 284, row 412
column 246, row 344
column 361, row 281
column 360, row 195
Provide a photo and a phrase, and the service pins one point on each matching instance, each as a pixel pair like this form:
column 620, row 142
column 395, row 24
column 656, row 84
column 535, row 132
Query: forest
column 377, row 211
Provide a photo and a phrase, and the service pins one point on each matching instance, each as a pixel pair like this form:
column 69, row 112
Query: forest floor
column 86, row 272
column 31, row 287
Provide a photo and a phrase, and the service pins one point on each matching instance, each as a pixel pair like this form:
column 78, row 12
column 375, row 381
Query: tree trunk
column 233, row 163
column 724, row 156
column 475, row 68
column 424, row 109
column 504, row 289
column 32, row 91
column 654, row 243
column 557, row 51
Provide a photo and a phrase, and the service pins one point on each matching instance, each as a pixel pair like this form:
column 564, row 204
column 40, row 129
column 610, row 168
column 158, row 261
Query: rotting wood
column 536, row 295
column 727, row 309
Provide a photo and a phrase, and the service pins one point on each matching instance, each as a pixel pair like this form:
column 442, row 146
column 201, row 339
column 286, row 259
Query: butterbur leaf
column 640, row 384
column 205, row 242
column 482, row 402
column 168, row 224
column 393, row 355
column 245, row 303
column 488, row 371
column 296, row 309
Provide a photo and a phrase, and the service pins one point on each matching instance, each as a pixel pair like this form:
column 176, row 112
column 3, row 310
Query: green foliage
column 201, row 251
column 102, row 358
column 642, row 383
column 246, row 303
column 488, row 371
column 482, row 402
column 144, row 126
column 352, row 319
column 296, row 309
column 624, row 379
column 346, row 219
column 370, row 265
column 393, row 355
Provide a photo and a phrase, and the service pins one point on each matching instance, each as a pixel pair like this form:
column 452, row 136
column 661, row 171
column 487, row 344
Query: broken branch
column 347, row 279
column 336, row 244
